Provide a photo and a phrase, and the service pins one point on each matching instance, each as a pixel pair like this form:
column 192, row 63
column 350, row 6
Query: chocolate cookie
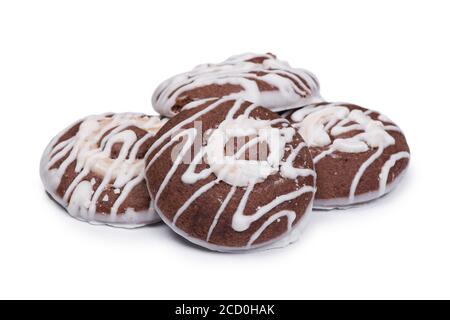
column 259, row 78
column 95, row 169
column 229, row 175
column 359, row 154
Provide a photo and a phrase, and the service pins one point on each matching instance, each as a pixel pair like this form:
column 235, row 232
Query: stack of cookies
column 241, row 154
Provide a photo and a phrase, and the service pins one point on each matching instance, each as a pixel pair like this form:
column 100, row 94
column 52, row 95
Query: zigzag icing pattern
column 285, row 87
column 321, row 125
column 236, row 172
column 90, row 149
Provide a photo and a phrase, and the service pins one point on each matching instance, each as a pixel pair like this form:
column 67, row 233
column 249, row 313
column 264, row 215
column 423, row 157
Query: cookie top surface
column 229, row 175
column 95, row 168
column 258, row 78
column 358, row 153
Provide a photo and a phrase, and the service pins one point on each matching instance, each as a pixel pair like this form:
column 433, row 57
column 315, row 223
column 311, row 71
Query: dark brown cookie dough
column 359, row 154
column 229, row 175
column 95, row 169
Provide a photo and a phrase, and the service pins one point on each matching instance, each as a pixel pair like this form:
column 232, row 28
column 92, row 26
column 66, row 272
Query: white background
column 63, row 60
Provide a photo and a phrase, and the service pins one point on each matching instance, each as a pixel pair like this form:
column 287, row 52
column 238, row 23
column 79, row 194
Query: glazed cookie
column 359, row 154
column 230, row 176
column 259, row 78
column 95, row 169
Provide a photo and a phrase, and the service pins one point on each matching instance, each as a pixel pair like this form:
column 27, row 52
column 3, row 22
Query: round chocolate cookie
column 259, row 78
column 229, row 175
column 359, row 154
column 95, row 169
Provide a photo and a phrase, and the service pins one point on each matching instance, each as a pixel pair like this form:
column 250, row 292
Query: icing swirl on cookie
column 334, row 127
column 104, row 152
column 258, row 78
column 231, row 169
column 242, row 172
column 317, row 127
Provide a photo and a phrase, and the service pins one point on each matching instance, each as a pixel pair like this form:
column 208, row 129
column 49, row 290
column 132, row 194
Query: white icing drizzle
column 220, row 211
column 191, row 134
column 194, row 197
column 79, row 202
column 289, row 171
column 242, row 222
column 176, row 128
column 361, row 171
column 126, row 191
column 225, row 167
column 290, row 215
column 293, row 87
column 319, row 124
column 90, row 149
column 387, row 169
column 238, row 172
column 316, row 128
